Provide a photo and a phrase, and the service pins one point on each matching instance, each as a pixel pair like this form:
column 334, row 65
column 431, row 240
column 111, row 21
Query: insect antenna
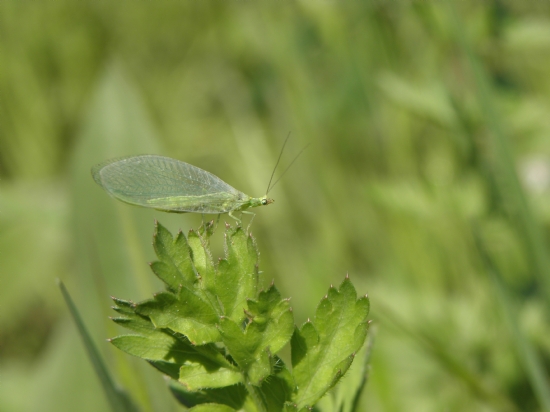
column 277, row 164
column 271, row 186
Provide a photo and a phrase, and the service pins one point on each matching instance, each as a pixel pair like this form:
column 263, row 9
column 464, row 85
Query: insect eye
column 264, row 202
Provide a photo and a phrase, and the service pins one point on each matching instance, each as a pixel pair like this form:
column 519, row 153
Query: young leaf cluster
column 217, row 335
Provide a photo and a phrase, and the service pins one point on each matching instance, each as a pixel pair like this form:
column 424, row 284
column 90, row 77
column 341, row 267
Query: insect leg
column 236, row 218
column 248, row 213
column 250, row 223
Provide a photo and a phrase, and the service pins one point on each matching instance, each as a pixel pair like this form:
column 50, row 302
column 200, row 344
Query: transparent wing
column 166, row 184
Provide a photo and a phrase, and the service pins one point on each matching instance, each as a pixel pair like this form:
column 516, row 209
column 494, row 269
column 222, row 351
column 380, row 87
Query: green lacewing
column 171, row 185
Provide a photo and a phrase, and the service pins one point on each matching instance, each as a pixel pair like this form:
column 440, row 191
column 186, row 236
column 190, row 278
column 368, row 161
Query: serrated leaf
column 196, row 376
column 123, row 306
column 133, row 321
column 236, row 279
column 202, row 259
column 153, row 348
column 193, row 311
column 188, row 314
column 221, row 305
column 323, row 350
column 175, row 264
column 164, row 349
column 270, row 327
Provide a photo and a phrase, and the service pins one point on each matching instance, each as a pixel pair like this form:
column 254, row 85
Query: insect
column 171, row 185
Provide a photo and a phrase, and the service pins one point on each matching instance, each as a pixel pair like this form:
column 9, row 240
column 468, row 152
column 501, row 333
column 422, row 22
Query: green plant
column 218, row 336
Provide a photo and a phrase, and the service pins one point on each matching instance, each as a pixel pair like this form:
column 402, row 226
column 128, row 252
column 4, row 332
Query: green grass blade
column 118, row 399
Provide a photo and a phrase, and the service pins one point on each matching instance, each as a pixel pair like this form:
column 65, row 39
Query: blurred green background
column 428, row 181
